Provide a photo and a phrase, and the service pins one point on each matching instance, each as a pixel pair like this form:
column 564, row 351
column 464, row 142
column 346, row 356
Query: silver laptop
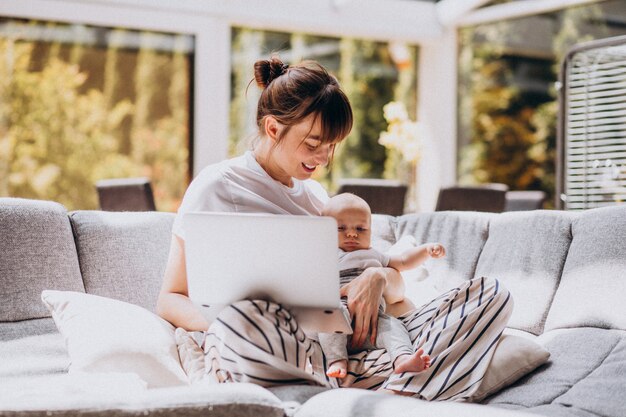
column 291, row 260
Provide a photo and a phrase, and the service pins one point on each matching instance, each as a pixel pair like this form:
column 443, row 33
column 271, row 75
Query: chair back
column 524, row 200
column 383, row 196
column 487, row 198
column 125, row 194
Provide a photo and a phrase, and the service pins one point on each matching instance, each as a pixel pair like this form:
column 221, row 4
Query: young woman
column 302, row 114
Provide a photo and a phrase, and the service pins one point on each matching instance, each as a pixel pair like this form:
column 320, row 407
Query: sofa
column 78, row 333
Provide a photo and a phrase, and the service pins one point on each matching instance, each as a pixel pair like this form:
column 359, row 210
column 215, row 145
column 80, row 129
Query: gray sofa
column 566, row 272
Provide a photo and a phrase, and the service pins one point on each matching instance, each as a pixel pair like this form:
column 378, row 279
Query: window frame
column 209, row 129
column 210, row 23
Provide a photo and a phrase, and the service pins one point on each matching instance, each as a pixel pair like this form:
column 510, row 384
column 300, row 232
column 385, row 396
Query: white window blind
column 594, row 130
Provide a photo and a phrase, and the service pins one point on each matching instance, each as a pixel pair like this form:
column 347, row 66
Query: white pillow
column 514, row 357
column 419, row 287
column 106, row 335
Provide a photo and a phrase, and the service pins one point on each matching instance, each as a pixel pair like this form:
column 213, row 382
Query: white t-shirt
column 362, row 258
column 240, row 185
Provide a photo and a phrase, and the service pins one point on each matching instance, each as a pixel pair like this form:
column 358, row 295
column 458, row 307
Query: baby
column 353, row 217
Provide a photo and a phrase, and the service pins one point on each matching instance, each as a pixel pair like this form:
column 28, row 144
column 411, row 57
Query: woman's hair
column 293, row 92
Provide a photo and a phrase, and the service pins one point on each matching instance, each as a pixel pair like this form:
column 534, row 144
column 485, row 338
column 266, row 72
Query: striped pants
column 260, row 342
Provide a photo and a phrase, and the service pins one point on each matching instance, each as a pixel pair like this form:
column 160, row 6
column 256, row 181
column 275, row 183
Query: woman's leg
column 260, row 342
column 367, row 369
column 459, row 330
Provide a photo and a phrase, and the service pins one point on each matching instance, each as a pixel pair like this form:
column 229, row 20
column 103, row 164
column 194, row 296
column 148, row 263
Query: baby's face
column 353, row 228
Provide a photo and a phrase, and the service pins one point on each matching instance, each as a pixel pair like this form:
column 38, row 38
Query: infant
column 353, row 217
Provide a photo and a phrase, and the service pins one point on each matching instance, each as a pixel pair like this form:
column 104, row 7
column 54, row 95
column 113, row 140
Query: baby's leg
column 336, row 353
column 393, row 336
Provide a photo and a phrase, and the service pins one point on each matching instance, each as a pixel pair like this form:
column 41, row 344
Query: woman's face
column 299, row 152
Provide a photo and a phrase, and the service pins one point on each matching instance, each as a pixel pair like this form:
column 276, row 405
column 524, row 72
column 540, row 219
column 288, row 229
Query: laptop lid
column 289, row 259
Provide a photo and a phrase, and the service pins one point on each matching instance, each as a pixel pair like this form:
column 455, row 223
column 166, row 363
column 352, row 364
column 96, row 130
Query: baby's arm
column 414, row 257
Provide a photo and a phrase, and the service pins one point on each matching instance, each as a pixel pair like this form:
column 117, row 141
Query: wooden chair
column 125, row 194
column 383, row 196
column 487, row 197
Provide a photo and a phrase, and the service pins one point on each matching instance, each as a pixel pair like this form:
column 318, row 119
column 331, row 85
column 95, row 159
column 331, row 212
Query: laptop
column 291, row 260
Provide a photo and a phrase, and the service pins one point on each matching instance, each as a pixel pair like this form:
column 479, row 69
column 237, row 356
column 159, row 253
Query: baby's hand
column 436, row 250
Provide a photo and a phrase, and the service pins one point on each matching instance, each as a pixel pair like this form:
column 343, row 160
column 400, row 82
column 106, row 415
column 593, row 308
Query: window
column 507, row 95
column 593, row 135
column 83, row 103
column 372, row 74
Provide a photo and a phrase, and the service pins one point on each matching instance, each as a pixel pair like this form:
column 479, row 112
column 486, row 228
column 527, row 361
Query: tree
column 512, row 139
column 57, row 137
column 54, row 137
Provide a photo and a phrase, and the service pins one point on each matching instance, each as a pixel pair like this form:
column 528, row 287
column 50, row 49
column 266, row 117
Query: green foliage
column 54, row 135
column 367, row 75
column 504, row 144
column 58, row 138
column 368, row 90
column 162, row 154
column 512, row 139
column 247, row 45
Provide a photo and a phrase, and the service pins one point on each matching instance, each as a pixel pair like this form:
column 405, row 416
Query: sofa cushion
column 37, row 252
column 12, row 330
column 526, row 252
column 352, row 402
column 383, row 235
column 123, row 255
column 31, row 348
column 602, row 391
column 294, row 396
column 579, row 358
column 66, row 396
column 106, row 335
column 462, row 233
column 593, row 284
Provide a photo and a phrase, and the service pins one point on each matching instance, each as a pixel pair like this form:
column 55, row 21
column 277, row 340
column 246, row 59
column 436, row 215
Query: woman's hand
column 363, row 295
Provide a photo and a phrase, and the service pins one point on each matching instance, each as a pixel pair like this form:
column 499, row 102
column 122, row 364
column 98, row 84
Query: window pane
column 83, row 103
column 508, row 105
column 371, row 73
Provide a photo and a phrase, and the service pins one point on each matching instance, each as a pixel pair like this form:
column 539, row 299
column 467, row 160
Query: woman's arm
column 173, row 303
column 364, row 294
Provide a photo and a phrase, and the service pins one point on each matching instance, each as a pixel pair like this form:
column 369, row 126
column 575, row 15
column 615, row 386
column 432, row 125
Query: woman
column 302, row 114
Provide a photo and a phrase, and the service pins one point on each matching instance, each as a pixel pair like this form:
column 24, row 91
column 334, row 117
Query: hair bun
column 266, row 70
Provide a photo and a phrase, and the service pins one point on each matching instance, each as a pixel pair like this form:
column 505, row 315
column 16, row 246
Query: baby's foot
column 416, row 362
column 338, row 369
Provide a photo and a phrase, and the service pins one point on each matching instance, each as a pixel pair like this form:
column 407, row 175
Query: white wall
column 437, row 98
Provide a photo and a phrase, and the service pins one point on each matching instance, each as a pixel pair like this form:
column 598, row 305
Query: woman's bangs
column 336, row 118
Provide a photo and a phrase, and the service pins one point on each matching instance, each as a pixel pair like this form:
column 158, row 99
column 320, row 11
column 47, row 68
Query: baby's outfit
column 391, row 335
